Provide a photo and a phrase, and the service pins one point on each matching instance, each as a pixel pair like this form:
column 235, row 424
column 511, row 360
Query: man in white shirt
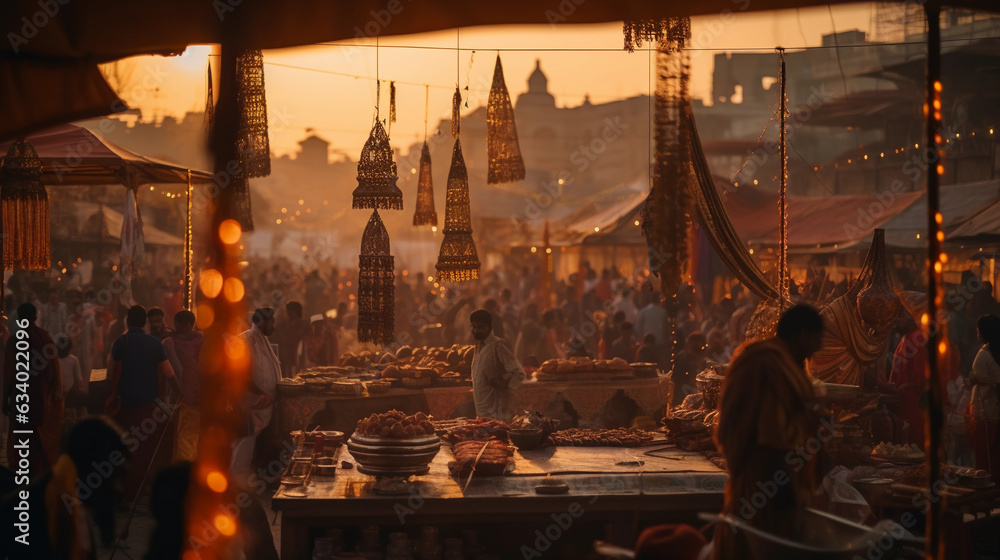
column 259, row 399
column 495, row 370
column 53, row 316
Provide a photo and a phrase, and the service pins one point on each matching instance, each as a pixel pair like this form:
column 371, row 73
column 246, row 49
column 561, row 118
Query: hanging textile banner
column 503, row 150
column 25, row 210
column 133, row 249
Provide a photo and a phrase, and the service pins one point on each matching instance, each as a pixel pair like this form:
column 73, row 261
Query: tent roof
column 968, row 210
column 73, row 155
column 113, row 220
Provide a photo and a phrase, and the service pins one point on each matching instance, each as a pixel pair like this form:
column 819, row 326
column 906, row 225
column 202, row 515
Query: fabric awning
column 112, row 221
column 74, row 155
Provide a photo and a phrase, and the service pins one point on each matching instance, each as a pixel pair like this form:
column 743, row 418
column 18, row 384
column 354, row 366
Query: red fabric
column 674, row 542
column 908, row 378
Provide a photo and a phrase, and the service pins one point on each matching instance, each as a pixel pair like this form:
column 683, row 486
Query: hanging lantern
column 672, row 32
column 425, row 214
column 377, row 174
column 376, row 298
column 458, row 260
column 24, row 205
column 252, row 144
column 241, row 209
column 505, row 162
column 210, row 102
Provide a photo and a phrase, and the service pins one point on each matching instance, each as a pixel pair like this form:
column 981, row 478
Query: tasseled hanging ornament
column 425, row 214
column 392, row 102
column 241, row 209
column 458, row 260
column 24, row 205
column 210, row 102
column 505, row 162
column 252, row 144
column 673, row 32
column 377, row 174
column 456, row 104
column 376, row 297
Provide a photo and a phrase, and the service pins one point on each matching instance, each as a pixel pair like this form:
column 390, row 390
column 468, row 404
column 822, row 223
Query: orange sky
column 340, row 106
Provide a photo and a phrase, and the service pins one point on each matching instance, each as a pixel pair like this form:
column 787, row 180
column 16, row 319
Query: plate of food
column 904, row 453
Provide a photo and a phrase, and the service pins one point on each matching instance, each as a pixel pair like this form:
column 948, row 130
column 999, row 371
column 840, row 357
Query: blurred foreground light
column 210, row 282
column 225, row 525
column 230, row 232
column 206, row 316
column 217, row 482
column 233, row 289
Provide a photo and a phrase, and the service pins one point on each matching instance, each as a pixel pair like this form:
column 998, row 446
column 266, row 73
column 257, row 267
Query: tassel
column 505, row 162
column 210, row 102
column 377, row 174
column 376, row 290
column 392, row 102
column 458, row 260
column 425, row 214
column 24, row 206
column 676, row 32
column 252, row 144
column 456, row 104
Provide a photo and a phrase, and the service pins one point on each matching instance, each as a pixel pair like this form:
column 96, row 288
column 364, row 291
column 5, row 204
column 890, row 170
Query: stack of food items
column 428, row 365
column 583, row 368
column 323, row 378
column 582, row 437
column 395, row 425
column 394, row 444
column 690, row 424
column 487, row 458
column 478, row 429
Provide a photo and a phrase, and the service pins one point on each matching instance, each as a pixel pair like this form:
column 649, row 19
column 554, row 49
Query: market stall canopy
column 73, row 155
column 111, row 226
column 969, row 210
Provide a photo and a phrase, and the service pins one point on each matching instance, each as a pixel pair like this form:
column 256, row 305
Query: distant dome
column 538, row 89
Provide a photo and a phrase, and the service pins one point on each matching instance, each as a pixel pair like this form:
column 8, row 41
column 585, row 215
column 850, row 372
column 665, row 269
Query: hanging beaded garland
column 252, row 144
column 666, row 215
column 24, row 205
column 505, row 162
column 425, row 215
column 377, row 174
column 458, row 260
column 376, row 292
column 674, row 33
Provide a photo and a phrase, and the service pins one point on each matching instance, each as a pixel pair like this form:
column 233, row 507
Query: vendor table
column 588, row 398
column 672, row 488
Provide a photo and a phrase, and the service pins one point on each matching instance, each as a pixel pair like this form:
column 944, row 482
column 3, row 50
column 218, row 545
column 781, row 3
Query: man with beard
column 495, row 370
column 44, row 394
column 265, row 373
column 62, row 506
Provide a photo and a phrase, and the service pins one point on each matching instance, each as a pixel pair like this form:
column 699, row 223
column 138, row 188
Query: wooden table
column 661, row 490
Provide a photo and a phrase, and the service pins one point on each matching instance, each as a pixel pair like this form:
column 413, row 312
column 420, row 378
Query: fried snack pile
column 479, row 429
column 620, row 437
column 396, row 425
column 492, row 463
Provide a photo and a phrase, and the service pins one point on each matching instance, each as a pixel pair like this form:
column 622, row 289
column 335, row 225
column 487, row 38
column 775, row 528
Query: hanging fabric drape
column 377, row 174
column 502, row 148
column 666, row 216
column 24, row 206
column 425, row 214
column 376, row 276
column 133, row 249
column 252, row 144
column 458, row 260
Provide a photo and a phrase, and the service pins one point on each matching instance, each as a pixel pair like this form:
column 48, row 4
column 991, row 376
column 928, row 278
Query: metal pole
column 188, row 249
column 935, row 419
column 782, row 188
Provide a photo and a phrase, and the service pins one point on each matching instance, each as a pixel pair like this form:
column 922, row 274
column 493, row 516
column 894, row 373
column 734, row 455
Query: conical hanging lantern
column 252, row 144
column 377, row 174
column 376, row 292
column 210, row 102
column 425, row 214
column 458, row 260
column 505, row 162
column 24, row 205
column 241, row 209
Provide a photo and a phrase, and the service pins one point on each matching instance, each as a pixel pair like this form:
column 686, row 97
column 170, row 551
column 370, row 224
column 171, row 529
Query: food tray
column 542, row 377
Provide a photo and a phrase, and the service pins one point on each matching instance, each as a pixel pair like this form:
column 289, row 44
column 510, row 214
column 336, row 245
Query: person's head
column 53, row 296
column 263, row 320
column 481, row 322
column 695, row 344
column 627, row 330
column 649, row 339
column 184, row 321
column 316, row 323
column 801, row 329
column 618, row 318
column 156, row 316
column 136, row 317
column 988, row 327
column 166, row 503
column 505, row 295
column 294, row 310
column 96, row 446
column 549, row 318
column 576, row 347
column 27, row 311
column 490, row 305
column 716, row 340
column 63, row 345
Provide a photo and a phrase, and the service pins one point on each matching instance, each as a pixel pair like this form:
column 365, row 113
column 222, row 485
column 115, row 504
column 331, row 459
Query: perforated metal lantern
column 458, row 260
column 426, row 214
column 376, row 290
column 241, row 209
column 377, row 174
column 252, row 144
column 505, row 162
column 24, row 205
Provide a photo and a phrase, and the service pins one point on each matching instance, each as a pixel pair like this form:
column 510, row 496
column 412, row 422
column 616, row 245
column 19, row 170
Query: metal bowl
column 394, row 460
column 527, row 439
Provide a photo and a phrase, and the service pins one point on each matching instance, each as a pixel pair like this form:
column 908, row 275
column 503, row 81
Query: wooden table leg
column 294, row 538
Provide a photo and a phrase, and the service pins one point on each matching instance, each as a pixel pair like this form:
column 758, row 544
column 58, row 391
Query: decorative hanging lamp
column 458, row 260
column 252, row 144
column 505, row 162
column 671, row 32
column 377, row 174
column 425, row 215
column 210, row 102
column 376, row 297
column 241, row 209
column 24, row 205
